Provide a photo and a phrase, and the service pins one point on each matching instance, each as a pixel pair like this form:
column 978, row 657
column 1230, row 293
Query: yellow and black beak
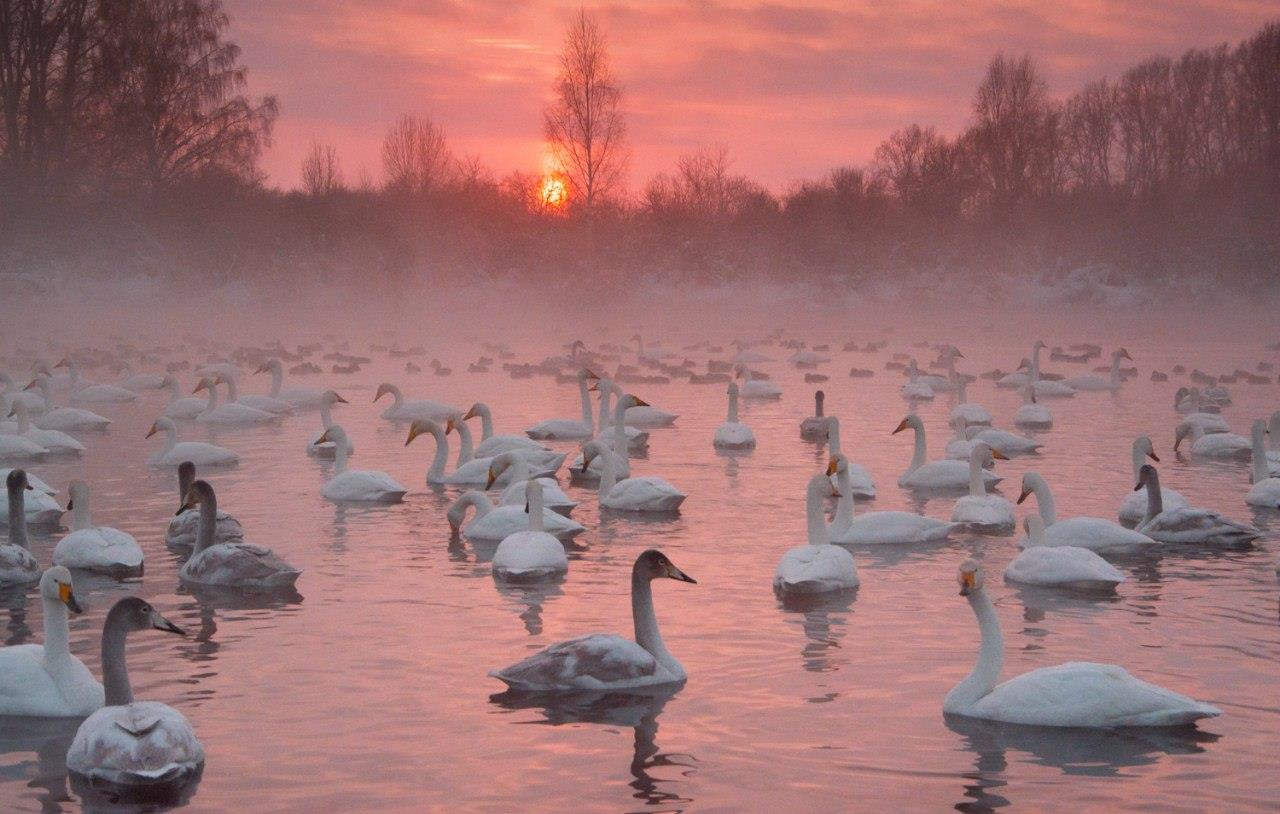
column 968, row 580
column 998, row 455
column 469, row 414
column 832, row 466
column 1023, row 496
column 901, row 426
column 488, row 484
column 68, row 597
column 339, row 399
column 324, row 438
column 154, row 429
column 414, row 432
column 641, row 402
column 448, row 426
column 1153, row 456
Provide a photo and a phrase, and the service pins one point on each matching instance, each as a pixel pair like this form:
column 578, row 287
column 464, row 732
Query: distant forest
column 128, row 145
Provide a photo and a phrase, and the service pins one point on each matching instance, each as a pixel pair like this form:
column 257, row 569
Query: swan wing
column 593, row 662
column 139, row 743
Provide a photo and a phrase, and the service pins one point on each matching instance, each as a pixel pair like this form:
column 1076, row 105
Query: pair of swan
column 1092, row 382
column 232, row 413
column 55, row 442
column 617, row 451
column 300, row 397
column 325, row 449
column 185, row 525
column 1187, row 524
column 93, row 393
column 38, row 508
column 180, row 406
column 419, row 410
column 356, row 485
column 63, row 418
column 1265, row 491
column 490, row 444
column 1045, row 388
column 228, row 564
column 974, row 415
column 198, row 452
column 1062, row 566
column 15, row 447
column 875, row 528
column 940, row 475
column 543, row 460
column 17, row 564
column 818, row 567
column 1093, row 533
column 1007, row 443
column 637, row 439
column 604, row 661
column 979, row 511
column 1075, row 694
column 496, row 523
column 530, row 554
column 733, row 434
column 635, row 494
column 95, row 548
column 1134, row 507
column 471, row 470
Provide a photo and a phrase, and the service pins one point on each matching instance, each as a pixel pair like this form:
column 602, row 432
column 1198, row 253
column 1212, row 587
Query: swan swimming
column 1092, row 382
column 229, row 564
column 876, row 528
column 531, row 554
column 635, row 494
column 64, row 418
column 325, row 449
column 733, row 434
column 420, row 410
column 495, row 524
column 818, row 567
column 553, row 497
column 186, row 524
column 300, row 397
column 1093, row 533
column 231, row 413
column 490, row 444
column 941, row 475
column 568, row 428
column 1064, row 566
column 979, row 511
column 860, row 482
column 1134, row 507
column 180, row 406
column 356, row 485
column 1212, row 445
column 1187, row 524
column 198, row 452
column 38, row 506
column 1265, row 491
column 56, row 442
column 814, row 428
column 17, row 565
column 95, row 548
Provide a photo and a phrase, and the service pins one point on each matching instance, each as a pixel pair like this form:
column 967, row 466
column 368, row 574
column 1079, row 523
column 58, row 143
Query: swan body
column 1187, row 524
column 20, row 448
column 95, row 548
column 490, row 444
column 648, row 416
column 180, row 406
column 568, row 428
column 34, row 504
column 876, row 528
column 602, row 661
column 637, row 439
column 635, row 494
column 617, row 452
column 231, row 413
column 532, row 554
column 1032, row 415
column 356, row 485
column 1007, row 443
column 818, row 567
column 757, row 388
column 55, row 442
column 1097, row 383
column 944, row 474
column 974, row 415
column 498, row 523
column 299, row 397
column 1075, row 694
column 979, row 511
column 1213, row 445
column 234, row 565
column 186, row 524
column 1265, row 491
column 198, row 452
column 64, row 418
column 419, row 410
column 918, row 387
column 325, row 449
column 1059, row 566
column 1134, row 507
column 814, row 428
column 733, row 434
column 1093, row 533
column 93, row 393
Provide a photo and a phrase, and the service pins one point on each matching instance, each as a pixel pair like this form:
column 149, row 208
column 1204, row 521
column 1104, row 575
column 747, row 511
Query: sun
column 553, row 192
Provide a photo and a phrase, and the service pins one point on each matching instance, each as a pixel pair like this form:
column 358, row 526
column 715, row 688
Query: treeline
column 128, row 143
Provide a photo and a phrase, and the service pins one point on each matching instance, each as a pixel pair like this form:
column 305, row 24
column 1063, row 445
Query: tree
column 321, row 172
column 1089, row 132
column 584, row 125
column 415, row 156
column 1012, row 134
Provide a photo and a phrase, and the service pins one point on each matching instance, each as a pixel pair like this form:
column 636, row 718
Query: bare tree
column 1011, row 133
column 415, row 156
column 1258, row 59
column 584, row 125
column 1089, row 130
column 321, row 172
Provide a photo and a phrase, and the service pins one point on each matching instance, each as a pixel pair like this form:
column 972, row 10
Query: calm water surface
column 369, row 690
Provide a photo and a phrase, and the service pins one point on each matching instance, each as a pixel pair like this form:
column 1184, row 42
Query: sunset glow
column 553, row 192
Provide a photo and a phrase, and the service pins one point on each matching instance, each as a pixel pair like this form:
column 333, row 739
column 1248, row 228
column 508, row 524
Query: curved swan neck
column 340, row 454
column 606, row 398
column 213, row 398
column 920, row 455
column 326, row 414
column 733, row 407
column 1044, row 500
column 466, row 448
column 115, row 675
column 817, row 526
column 171, row 432
column 277, row 380
column 56, row 634
column 833, row 435
column 646, row 621
column 186, row 477
column 18, row 518
column 441, row 459
column 1115, row 368
column 986, row 672
column 844, row 504
column 486, row 421
column 1155, row 500
column 1260, row 470
column 584, row 396
column 1138, row 454
column 620, row 431
column 1035, row 363
column 80, row 511
column 208, row 524
column 457, row 513
column 534, row 496
column 976, row 487
column 174, row 392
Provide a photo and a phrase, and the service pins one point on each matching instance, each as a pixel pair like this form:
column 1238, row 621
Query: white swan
column 876, row 528
column 94, row 393
column 568, row 428
column 531, row 554
column 56, row 442
column 1064, row 566
column 1092, row 382
column 494, row 524
column 1134, row 507
column 1092, row 533
column 325, row 449
column 140, row 381
column 1213, row 445
column 1187, row 524
column 637, row 439
column 1007, row 443
column 1075, row 694
column 95, row 548
column 960, row 447
column 300, row 397
column 618, row 451
column 419, row 410
column 38, row 507
column 186, row 524
column 756, row 388
column 860, row 481
column 129, row 744
column 269, row 403
column 916, row 388
column 474, row 472
column 545, row 462
column 180, row 406
column 1265, row 491
column 230, row 414
column 1273, row 433
column 234, row 565
column 491, row 444
column 226, row 370
column 35, row 403
column 64, row 418
column 635, row 494
column 19, row 448
column 1203, row 416
column 818, row 567
column 1044, row 388
column 604, row 661
column 46, row 681
column 925, row 474
column 17, row 565
column 356, row 485
column 973, row 414
column 1032, row 415
column 733, row 434
column 814, row 428
column 198, row 452
column 553, row 497
column 979, row 511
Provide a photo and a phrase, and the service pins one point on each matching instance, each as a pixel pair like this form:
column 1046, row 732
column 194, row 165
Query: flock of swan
column 508, row 485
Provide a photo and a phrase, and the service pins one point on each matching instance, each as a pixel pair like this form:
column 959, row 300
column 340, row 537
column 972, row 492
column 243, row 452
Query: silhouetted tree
column 415, row 156
column 321, row 172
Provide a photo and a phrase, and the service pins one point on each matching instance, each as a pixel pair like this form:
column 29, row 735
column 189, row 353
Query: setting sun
column 553, row 192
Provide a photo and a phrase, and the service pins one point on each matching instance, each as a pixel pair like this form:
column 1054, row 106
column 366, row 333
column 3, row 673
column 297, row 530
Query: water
column 369, row 690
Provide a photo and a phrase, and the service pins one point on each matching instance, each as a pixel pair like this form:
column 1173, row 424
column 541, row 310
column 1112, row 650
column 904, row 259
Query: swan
column 581, row 468
column 973, row 414
column 180, row 406
column 11, row 391
column 140, row 381
column 1064, row 566
column 17, row 565
column 229, row 414
column 1273, row 430
column 1187, row 524
column 37, row 507
column 1092, row 533
column 818, row 567
column 915, row 388
column 491, row 444
column 531, row 554
column 324, row 449
column 756, row 388
column 1092, row 382
column 474, row 471
column 300, row 397
column 20, row 448
column 978, row 511
column 637, row 439
column 127, row 744
column 814, row 428
column 95, row 548
column 944, row 474
column 46, row 681
column 1075, row 694
column 227, row 370
column 733, row 434
column 356, row 485
column 647, row 416
column 604, row 661
column 635, row 494
column 568, row 428
column 95, row 393
column 960, row 447
column 1266, row 489
column 64, row 418
column 1044, row 388
column 1134, row 507
column 235, row 565
column 420, row 410
column 185, row 525
column 553, row 497
column 1213, row 445
column 943, row 384
column 267, row 403
column 1008, row 443
column 876, row 528
column 56, row 442
column 1204, row 417
column 198, row 452
column 1031, row 415
column 494, row 524
column 545, row 462
column 860, row 482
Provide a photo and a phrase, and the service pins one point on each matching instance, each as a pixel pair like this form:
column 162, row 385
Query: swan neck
column 608, row 471
column 1044, row 500
column 56, row 633
column 620, row 431
column 646, row 621
column 605, row 400
column 486, row 423
column 1260, row 469
column 326, row 414
column 441, row 459
column 986, row 672
column 24, row 418
column 1155, row 499
column 535, row 508
column 277, row 379
column 733, row 408
column 174, row 392
column 1035, row 364
column 115, row 675
column 208, row 524
column 920, row 455
column 584, row 396
column 844, row 504
column 466, row 449
column 818, row 407
column 1138, row 455
column 833, row 436
column 233, row 392
column 18, row 518
column 976, row 487
column 1115, row 368
column 817, row 526
column 185, row 479
column 340, row 454
column 80, row 513
column 171, row 432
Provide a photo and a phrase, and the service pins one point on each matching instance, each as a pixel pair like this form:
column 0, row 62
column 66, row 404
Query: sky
column 792, row 89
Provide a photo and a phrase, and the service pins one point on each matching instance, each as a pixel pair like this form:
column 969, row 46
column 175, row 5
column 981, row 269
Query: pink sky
column 792, row 89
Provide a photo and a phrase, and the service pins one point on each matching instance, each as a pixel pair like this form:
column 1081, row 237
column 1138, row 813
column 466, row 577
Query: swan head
column 632, row 401
column 590, row 451
column 267, row 366
column 384, row 389
column 1040, row 343
column 63, row 362
column 1123, row 354
column 333, row 433
column 161, row 424
column 135, row 613
column 206, row 383
column 1184, row 429
column 55, row 585
column 969, row 577
column 79, row 492
column 477, row 409
column 1028, row 486
column 331, row 397
column 39, row 382
column 501, row 463
column 819, row 396
column 985, row 454
column 421, row 427
column 910, row 422
column 821, row 485
column 955, row 352
column 17, row 481
column 1024, row 364
column 41, row 369
column 199, row 493
column 653, row 564
column 1142, row 445
column 1147, row 476
column 837, row 463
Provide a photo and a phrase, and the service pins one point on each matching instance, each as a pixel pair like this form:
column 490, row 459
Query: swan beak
column 262, row 369
column 900, row 427
column 1023, row 496
column 1153, row 457
column 1139, row 486
column 832, row 467
column 448, row 426
column 63, row 363
column 1124, row 354
column 68, row 598
column 586, row 462
column 998, row 455
column 593, row 388
column 488, row 484
column 956, row 353
column 324, row 436
column 339, row 399
column 526, row 507
column 967, row 581
column 32, row 385
column 160, row 623
column 13, row 412
column 71, row 503
column 590, row 375
column 414, row 431
column 154, row 429
column 382, row 391
column 469, row 414
column 641, row 402
column 680, row 576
